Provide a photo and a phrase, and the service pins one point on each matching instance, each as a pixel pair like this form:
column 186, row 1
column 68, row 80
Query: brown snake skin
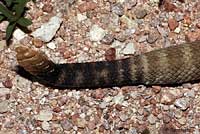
column 172, row 65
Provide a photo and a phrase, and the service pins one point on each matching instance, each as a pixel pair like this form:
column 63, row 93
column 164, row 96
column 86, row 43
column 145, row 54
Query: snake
column 175, row 64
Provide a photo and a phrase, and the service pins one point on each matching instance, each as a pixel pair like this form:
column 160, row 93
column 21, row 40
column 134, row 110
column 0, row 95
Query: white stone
column 44, row 115
column 4, row 91
column 81, row 17
column 129, row 49
column 51, row 45
column 4, row 106
column 45, row 125
column 48, row 30
column 19, row 34
column 177, row 30
column 96, row 33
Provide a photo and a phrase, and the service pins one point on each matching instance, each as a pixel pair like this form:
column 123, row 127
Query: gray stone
column 118, row 9
column 96, row 33
column 48, row 30
column 4, row 106
column 140, row 13
column 44, row 115
column 182, row 103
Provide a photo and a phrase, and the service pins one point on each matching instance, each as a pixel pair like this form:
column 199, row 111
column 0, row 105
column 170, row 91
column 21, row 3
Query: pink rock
column 87, row 6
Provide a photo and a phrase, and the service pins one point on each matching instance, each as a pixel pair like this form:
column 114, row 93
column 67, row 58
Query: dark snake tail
column 172, row 65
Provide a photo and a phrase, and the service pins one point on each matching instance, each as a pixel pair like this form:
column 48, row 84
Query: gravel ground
column 97, row 30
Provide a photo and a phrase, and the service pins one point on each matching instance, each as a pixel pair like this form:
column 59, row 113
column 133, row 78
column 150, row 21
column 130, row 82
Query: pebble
column 110, row 54
column 48, row 30
column 140, row 13
column 182, row 103
column 167, row 98
column 129, row 22
column 4, row 106
column 190, row 93
column 173, row 24
column 51, row 45
column 123, row 117
column 142, row 38
column 118, row 9
column 96, row 33
column 152, row 37
column 4, row 91
column 129, row 4
column 44, row 115
column 22, row 84
column 81, row 17
column 45, row 125
column 19, row 34
column 152, row 119
column 118, row 99
column 178, row 113
column 66, row 125
column 2, row 44
column 108, row 39
column 129, row 49
column 177, row 30
column 192, row 36
column 182, row 121
column 87, row 6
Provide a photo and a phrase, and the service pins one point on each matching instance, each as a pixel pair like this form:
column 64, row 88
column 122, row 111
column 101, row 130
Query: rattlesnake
column 172, row 65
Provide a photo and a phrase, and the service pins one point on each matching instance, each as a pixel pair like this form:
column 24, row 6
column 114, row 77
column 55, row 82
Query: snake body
column 172, row 65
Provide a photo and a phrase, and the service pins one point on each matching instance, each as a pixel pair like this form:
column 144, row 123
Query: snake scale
column 172, row 65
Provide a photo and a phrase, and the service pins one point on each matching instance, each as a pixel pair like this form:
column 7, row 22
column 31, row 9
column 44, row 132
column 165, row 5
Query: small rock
column 81, row 17
column 4, row 106
column 182, row 121
column 66, row 125
column 130, row 3
column 173, row 24
column 118, row 99
column 45, row 125
column 4, row 91
column 167, row 98
column 182, row 103
column 166, row 118
column 107, row 39
column 193, row 36
column 162, row 31
column 118, row 9
column 110, row 54
column 3, row 25
column 19, row 34
column 187, row 20
column 48, row 30
column 22, row 84
column 87, row 6
column 198, row 25
column 177, row 30
column 103, row 104
column 152, row 37
column 96, row 33
column 51, row 45
column 123, row 117
column 8, row 83
column 2, row 44
column 129, row 49
column 140, row 13
column 142, row 38
column 129, row 22
column 178, row 113
column 156, row 89
column 81, row 123
column 44, row 115
column 98, row 94
column 190, row 93
column 152, row 119
column 47, row 8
